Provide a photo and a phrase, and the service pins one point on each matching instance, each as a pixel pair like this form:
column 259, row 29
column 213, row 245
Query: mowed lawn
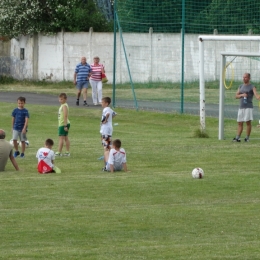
column 155, row 211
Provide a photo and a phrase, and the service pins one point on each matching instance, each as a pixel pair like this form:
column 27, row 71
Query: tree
column 232, row 17
column 27, row 17
column 140, row 15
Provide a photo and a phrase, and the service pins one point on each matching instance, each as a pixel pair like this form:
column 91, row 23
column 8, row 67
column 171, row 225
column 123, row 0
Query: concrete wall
column 150, row 56
column 5, row 62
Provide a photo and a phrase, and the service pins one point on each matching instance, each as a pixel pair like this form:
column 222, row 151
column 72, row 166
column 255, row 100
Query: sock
column 247, row 137
column 237, row 137
column 85, row 101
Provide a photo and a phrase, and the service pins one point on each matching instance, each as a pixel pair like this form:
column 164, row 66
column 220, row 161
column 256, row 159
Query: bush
column 6, row 79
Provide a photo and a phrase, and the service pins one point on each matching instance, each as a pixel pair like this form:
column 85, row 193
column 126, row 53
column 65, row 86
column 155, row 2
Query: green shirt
column 61, row 115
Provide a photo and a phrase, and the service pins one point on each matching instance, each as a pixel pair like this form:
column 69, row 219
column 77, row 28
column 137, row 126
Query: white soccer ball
column 12, row 142
column 197, row 173
column 26, row 144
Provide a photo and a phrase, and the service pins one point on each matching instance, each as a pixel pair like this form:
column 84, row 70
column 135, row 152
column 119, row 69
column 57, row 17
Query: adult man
column 6, row 151
column 81, row 79
column 245, row 93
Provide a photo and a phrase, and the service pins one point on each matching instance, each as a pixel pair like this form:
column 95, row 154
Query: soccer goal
column 233, row 64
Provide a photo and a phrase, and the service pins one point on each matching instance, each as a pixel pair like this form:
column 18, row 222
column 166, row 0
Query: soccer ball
column 26, row 144
column 12, row 142
column 197, row 173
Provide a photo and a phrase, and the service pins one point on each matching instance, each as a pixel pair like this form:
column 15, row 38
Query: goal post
column 224, row 55
column 201, row 39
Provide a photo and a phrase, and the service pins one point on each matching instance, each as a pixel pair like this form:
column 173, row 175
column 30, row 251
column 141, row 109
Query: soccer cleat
column 85, row 104
column 16, row 153
column 95, row 104
column 236, row 140
column 246, row 140
column 104, row 169
column 58, row 154
column 101, row 158
column 66, row 154
column 22, row 155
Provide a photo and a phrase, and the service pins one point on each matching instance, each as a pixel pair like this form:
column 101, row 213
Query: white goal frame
column 203, row 38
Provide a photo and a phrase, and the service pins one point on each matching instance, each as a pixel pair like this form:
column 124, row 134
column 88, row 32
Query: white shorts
column 245, row 114
column 118, row 167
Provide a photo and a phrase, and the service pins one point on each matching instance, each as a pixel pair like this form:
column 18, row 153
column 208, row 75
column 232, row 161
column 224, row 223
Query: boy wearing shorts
column 106, row 127
column 20, row 118
column 115, row 159
column 64, row 125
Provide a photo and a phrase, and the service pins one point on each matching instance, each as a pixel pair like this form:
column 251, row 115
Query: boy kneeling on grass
column 46, row 158
column 115, row 158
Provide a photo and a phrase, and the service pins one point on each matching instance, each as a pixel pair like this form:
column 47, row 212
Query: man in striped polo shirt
column 81, row 79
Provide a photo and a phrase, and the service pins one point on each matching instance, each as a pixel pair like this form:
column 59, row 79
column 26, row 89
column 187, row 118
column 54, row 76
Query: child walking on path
column 46, row 157
column 64, row 125
column 20, row 118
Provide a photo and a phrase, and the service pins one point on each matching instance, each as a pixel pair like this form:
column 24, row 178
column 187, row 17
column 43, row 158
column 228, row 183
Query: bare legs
column 84, row 93
column 240, row 128
column 63, row 139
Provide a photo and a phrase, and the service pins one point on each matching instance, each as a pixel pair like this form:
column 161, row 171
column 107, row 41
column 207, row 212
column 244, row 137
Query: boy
column 20, row 117
column 115, row 159
column 64, row 125
column 46, row 158
column 106, row 128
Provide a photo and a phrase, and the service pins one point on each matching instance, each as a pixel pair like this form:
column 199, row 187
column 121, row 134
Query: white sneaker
column 58, row 154
column 66, row 154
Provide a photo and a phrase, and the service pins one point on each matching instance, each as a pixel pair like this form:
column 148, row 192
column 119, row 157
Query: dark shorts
column 106, row 141
column 62, row 132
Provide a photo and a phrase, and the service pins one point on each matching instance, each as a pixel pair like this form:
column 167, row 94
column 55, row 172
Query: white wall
column 22, row 69
column 151, row 56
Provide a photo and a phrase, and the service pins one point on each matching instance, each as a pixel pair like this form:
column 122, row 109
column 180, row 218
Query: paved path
column 40, row 99
column 189, row 108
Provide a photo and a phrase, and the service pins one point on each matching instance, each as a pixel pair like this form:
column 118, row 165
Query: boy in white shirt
column 106, row 128
column 46, row 158
column 115, row 159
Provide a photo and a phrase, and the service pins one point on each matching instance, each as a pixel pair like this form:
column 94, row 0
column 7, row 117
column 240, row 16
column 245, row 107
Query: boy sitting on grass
column 115, row 158
column 46, row 157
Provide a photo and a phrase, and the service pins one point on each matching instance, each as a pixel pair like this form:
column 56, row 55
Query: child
column 46, row 158
column 20, row 117
column 106, row 128
column 64, row 125
column 115, row 159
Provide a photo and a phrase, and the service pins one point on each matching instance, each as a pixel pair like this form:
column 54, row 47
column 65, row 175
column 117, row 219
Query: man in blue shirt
column 81, row 79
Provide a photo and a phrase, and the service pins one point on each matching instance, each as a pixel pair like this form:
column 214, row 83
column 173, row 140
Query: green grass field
column 156, row 211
